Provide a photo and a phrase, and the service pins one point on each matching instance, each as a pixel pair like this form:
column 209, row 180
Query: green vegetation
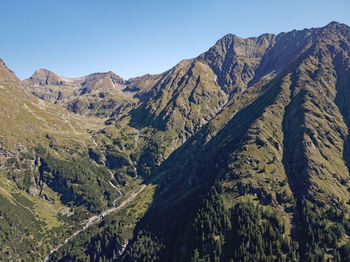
column 244, row 151
column 246, row 232
column 78, row 180
column 108, row 239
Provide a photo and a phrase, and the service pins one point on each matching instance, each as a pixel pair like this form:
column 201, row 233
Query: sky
column 134, row 37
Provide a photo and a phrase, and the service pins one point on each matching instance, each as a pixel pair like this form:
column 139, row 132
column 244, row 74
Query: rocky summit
column 239, row 154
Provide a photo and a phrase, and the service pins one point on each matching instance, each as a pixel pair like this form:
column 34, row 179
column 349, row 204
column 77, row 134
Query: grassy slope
column 46, row 174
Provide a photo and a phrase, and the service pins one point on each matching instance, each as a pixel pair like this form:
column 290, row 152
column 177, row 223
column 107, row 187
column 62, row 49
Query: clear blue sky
column 132, row 38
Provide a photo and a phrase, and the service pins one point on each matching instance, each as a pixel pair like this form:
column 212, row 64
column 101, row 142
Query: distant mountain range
column 239, row 154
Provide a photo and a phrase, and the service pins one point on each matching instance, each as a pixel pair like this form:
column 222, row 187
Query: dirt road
column 97, row 218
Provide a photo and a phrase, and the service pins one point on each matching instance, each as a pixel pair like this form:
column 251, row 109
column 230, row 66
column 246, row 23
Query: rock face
column 194, row 91
column 6, row 75
column 44, row 77
column 96, row 94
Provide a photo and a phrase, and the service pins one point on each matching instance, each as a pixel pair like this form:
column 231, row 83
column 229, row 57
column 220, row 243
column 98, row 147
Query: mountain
column 96, row 94
column 239, row 154
column 6, row 75
column 49, row 184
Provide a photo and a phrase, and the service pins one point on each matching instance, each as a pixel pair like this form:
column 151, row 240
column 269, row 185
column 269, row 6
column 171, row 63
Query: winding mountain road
column 97, row 218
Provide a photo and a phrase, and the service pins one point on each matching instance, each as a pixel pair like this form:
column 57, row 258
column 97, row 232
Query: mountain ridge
column 244, row 150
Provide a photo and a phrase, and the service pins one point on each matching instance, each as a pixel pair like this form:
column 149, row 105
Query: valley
column 238, row 154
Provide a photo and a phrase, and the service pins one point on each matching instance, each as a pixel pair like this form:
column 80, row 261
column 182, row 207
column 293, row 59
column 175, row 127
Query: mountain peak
column 227, row 40
column 45, row 77
column 229, row 36
column 41, row 72
column 109, row 76
column 337, row 26
column 335, row 23
column 335, row 29
column 6, row 74
column 115, row 76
